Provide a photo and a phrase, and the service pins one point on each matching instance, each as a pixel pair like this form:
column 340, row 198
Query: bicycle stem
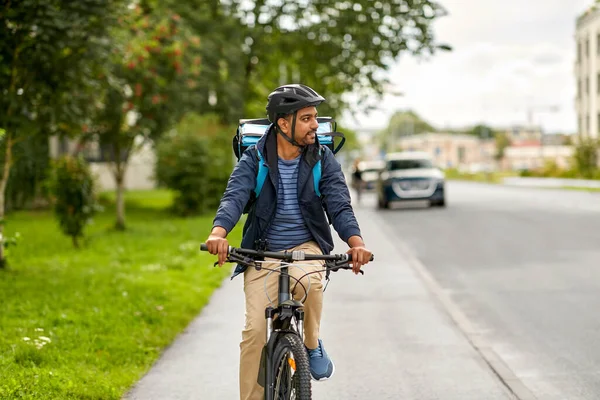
column 284, row 285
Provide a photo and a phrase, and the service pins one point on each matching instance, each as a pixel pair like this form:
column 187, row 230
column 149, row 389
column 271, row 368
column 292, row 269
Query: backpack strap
column 262, row 174
column 317, row 174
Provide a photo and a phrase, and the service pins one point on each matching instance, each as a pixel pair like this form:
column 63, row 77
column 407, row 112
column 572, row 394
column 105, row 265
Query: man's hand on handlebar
column 360, row 254
column 360, row 257
column 217, row 244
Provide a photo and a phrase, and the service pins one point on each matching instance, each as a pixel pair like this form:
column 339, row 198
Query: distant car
column 369, row 172
column 410, row 175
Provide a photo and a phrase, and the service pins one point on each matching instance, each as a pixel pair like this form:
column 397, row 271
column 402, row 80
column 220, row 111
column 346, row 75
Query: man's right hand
column 218, row 244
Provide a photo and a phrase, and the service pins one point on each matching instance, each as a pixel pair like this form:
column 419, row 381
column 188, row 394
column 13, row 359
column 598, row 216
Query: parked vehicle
column 369, row 172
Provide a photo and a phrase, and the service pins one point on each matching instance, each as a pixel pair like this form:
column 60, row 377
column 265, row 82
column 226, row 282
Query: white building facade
column 587, row 72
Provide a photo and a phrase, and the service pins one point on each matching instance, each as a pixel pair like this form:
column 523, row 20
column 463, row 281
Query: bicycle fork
column 287, row 310
column 285, row 313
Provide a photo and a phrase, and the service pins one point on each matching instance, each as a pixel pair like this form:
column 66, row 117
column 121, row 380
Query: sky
column 509, row 56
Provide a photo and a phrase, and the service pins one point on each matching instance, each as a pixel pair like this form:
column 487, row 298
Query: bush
column 195, row 161
column 71, row 186
column 526, row 173
column 586, row 157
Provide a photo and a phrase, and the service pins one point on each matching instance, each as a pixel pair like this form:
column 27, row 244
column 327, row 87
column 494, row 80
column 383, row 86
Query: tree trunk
column 3, row 182
column 120, row 194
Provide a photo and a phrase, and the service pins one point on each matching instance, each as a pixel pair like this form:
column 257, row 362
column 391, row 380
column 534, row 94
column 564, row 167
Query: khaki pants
column 254, row 335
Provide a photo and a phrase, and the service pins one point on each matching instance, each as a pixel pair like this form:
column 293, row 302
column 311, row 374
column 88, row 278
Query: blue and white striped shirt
column 288, row 229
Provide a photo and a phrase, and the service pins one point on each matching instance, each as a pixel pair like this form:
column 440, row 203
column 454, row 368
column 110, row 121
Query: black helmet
column 287, row 99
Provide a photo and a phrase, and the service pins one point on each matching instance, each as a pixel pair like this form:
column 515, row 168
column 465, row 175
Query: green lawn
column 581, row 188
column 492, row 177
column 88, row 323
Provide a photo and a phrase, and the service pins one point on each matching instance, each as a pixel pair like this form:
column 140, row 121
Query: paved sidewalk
column 387, row 334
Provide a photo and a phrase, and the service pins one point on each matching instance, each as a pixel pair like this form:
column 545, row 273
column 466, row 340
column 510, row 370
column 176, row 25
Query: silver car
column 409, row 176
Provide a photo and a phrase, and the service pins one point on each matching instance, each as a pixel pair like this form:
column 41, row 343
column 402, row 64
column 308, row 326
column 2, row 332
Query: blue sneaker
column 321, row 366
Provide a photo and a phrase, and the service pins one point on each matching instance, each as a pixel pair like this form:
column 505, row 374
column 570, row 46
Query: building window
column 587, row 48
column 587, row 124
column 578, row 51
column 461, row 154
column 598, row 43
column 587, row 85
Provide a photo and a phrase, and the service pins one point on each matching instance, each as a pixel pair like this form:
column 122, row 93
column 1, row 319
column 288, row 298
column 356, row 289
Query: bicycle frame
column 287, row 310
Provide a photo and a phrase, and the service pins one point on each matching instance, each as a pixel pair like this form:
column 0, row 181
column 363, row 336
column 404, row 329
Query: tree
column 49, row 52
column 403, row 123
column 502, row 142
column 351, row 137
column 195, row 161
column 154, row 70
column 331, row 45
column 482, row 131
column 72, row 186
column 252, row 46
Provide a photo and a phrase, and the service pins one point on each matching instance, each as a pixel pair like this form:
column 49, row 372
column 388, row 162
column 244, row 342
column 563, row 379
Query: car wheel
column 382, row 204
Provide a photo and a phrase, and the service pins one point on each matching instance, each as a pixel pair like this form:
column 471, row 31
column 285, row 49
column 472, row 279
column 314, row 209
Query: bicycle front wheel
column 292, row 370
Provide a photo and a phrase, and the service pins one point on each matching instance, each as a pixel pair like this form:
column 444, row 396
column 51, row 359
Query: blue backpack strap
column 317, row 175
column 262, row 174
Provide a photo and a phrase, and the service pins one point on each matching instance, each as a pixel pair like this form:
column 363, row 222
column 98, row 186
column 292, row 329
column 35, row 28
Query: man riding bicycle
column 287, row 215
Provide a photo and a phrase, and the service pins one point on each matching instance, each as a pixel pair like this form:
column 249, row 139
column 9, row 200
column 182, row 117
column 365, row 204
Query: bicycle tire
column 285, row 384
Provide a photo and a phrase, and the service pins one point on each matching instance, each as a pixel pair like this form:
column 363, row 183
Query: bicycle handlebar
column 248, row 257
column 287, row 255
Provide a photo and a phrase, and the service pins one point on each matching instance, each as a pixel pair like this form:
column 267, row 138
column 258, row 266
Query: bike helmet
column 288, row 99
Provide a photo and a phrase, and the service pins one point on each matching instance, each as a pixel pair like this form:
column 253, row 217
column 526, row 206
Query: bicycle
column 284, row 367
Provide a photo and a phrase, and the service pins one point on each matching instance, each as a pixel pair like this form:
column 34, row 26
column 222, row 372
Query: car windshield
column 409, row 164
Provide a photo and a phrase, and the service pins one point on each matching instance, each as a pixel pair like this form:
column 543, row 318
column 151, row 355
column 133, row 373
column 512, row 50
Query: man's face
column 305, row 132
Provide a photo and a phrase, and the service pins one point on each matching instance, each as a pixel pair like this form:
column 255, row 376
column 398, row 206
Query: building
column 587, row 72
column 140, row 168
column 532, row 155
column 517, row 133
column 468, row 153
column 453, row 150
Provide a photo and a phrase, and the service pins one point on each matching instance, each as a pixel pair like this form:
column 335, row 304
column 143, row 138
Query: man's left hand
column 360, row 257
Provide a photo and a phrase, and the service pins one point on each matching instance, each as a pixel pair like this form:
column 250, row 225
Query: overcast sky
column 507, row 55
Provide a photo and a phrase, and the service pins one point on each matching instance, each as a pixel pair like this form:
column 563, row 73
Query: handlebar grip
column 204, row 247
column 370, row 259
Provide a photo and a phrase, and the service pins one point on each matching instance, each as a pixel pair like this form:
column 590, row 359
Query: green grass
column 98, row 317
column 492, row 177
column 583, row 189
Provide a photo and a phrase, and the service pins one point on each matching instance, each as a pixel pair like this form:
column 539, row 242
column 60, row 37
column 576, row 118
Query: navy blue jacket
column 334, row 192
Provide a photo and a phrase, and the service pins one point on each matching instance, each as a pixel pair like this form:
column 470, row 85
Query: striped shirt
column 288, row 229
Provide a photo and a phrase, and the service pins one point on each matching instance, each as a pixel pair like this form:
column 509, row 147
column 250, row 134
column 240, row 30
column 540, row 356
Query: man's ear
column 284, row 125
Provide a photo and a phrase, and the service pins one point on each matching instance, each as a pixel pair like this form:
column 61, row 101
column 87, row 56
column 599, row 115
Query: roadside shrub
column 586, row 157
column 71, row 186
column 195, row 160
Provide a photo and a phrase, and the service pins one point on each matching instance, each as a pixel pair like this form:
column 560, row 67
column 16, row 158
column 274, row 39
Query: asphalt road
column 523, row 266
